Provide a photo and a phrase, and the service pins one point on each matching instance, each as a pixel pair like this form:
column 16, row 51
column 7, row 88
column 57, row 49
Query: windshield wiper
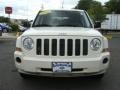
column 46, row 25
column 68, row 25
column 42, row 25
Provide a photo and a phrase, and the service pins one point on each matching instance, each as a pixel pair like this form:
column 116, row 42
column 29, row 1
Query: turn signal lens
column 18, row 49
column 105, row 50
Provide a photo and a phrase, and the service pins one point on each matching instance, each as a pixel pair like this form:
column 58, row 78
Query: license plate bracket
column 61, row 67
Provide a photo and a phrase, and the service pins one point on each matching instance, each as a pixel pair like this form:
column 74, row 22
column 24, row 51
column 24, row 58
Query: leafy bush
column 4, row 19
column 14, row 27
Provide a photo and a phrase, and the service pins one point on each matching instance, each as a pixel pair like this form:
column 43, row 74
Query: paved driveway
column 10, row 79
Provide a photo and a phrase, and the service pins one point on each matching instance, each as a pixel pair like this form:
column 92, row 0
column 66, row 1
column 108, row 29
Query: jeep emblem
column 62, row 33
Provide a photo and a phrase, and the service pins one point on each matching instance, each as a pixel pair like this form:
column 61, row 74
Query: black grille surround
column 62, row 47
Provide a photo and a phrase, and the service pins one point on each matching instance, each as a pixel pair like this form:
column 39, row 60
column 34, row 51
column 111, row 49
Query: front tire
column 25, row 76
column 99, row 77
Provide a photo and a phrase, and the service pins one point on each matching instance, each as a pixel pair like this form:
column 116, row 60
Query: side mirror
column 97, row 24
column 31, row 21
column 27, row 24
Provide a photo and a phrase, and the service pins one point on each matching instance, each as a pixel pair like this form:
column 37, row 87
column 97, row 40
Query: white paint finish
column 61, row 31
column 32, row 62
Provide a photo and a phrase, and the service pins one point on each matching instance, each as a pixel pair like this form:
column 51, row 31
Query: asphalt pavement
column 10, row 79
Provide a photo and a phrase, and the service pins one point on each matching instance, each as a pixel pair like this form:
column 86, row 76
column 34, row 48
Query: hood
column 62, row 31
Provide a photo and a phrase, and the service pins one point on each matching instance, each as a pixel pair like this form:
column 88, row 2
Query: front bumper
column 80, row 66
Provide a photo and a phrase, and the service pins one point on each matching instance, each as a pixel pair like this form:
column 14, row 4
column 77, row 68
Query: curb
column 7, row 38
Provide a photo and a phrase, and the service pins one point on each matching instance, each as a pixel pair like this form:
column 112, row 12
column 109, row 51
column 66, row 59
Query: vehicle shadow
column 63, row 83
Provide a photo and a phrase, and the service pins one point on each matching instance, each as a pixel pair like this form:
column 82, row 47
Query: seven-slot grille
column 62, row 47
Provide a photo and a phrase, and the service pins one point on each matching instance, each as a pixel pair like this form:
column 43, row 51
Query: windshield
column 62, row 18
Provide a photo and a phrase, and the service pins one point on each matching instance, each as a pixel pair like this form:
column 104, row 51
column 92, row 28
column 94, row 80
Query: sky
column 27, row 9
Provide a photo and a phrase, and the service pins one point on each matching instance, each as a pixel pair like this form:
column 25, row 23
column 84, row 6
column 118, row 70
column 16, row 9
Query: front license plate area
column 62, row 67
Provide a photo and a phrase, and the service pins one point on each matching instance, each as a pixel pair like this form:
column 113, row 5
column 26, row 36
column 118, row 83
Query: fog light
column 105, row 60
column 18, row 60
column 105, row 50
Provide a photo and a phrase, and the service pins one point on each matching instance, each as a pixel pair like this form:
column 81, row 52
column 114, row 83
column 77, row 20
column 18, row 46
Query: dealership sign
column 8, row 10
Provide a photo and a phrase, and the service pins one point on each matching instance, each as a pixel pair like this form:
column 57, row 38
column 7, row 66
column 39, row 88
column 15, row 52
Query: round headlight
column 95, row 44
column 28, row 43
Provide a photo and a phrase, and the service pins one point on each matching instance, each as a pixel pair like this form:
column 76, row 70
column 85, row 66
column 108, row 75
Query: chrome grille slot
column 77, row 47
column 54, row 47
column 85, row 47
column 62, row 47
column 46, row 47
column 39, row 46
column 69, row 47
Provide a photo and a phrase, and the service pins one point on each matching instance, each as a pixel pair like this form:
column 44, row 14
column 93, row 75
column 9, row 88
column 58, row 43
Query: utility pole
column 62, row 3
column 42, row 7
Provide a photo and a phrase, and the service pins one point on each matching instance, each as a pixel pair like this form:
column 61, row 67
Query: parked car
column 5, row 27
column 0, row 31
column 21, row 28
column 62, row 43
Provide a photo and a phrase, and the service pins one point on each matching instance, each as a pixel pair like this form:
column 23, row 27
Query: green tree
column 94, row 8
column 96, row 11
column 4, row 19
column 84, row 4
column 14, row 27
column 113, row 6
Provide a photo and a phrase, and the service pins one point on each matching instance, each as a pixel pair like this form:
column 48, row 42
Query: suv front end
column 61, row 51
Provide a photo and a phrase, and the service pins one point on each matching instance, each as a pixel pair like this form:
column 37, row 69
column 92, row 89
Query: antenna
column 62, row 3
column 42, row 5
column 27, row 9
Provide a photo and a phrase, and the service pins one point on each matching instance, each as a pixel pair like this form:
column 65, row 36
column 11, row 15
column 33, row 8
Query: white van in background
column 111, row 23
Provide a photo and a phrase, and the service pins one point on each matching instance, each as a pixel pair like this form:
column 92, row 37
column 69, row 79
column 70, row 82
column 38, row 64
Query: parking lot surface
column 10, row 79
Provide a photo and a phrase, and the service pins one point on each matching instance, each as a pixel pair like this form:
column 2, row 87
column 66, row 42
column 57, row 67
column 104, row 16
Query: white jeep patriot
column 62, row 43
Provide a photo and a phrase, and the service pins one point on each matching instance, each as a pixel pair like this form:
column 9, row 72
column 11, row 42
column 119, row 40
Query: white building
column 112, row 22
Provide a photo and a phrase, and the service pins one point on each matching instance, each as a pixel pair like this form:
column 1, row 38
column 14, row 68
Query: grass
column 15, row 33
column 108, row 36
